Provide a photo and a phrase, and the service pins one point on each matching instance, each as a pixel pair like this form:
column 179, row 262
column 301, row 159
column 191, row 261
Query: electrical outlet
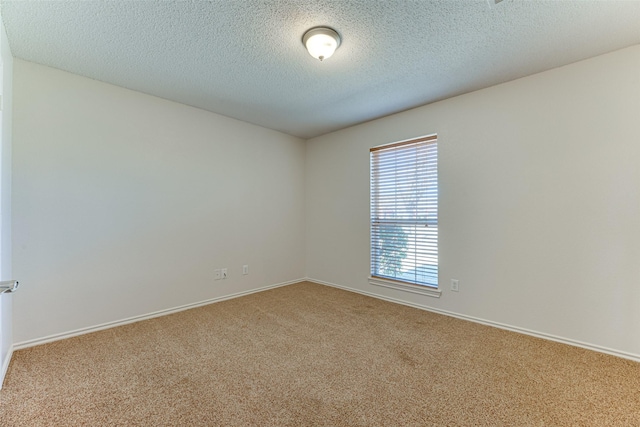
column 224, row 273
column 454, row 285
column 218, row 274
column 245, row 269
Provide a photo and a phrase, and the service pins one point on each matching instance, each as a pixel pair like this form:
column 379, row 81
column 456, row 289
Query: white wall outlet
column 455, row 285
column 245, row 269
column 224, row 273
column 218, row 274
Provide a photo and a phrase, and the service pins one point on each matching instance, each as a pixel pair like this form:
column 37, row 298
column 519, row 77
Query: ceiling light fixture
column 321, row 42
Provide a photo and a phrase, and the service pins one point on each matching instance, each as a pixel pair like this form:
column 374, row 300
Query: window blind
column 404, row 211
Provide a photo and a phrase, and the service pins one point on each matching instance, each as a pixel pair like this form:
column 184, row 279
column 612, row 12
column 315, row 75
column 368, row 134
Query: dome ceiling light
column 321, row 42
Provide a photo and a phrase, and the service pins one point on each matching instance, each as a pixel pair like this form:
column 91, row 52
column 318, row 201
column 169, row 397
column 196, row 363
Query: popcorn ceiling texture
column 245, row 58
column 311, row 355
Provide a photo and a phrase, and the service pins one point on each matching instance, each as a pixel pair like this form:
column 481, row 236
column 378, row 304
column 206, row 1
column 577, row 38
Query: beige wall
column 539, row 202
column 124, row 204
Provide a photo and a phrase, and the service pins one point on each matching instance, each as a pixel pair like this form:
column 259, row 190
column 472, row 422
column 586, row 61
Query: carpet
column 311, row 355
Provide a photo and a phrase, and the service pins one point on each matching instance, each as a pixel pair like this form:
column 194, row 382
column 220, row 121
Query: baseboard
column 568, row 341
column 108, row 325
column 82, row 331
column 5, row 366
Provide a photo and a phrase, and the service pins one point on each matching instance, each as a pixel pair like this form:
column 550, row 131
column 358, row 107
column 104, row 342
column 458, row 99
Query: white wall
column 124, row 203
column 6, row 339
column 539, row 202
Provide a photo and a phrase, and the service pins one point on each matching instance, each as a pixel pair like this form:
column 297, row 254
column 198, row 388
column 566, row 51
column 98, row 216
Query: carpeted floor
column 310, row 355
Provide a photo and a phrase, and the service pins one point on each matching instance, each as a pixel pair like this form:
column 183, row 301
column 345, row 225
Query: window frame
column 381, row 280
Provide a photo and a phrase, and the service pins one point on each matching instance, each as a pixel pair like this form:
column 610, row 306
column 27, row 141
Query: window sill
column 416, row 289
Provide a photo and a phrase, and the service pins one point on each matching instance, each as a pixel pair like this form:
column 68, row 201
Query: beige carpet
column 309, row 355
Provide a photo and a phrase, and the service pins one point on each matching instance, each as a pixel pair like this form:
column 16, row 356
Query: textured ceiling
column 245, row 58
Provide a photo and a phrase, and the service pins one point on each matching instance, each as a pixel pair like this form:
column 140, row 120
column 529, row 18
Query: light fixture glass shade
column 321, row 42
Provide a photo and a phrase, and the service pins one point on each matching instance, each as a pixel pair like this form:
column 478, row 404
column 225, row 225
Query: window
column 404, row 215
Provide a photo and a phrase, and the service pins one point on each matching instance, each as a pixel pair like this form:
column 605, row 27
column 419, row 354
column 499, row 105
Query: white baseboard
column 82, row 331
column 108, row 325
column 600, row 349
column 5, row 365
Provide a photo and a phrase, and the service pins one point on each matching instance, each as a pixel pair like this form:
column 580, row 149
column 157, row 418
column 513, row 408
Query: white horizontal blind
column 404, row 211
